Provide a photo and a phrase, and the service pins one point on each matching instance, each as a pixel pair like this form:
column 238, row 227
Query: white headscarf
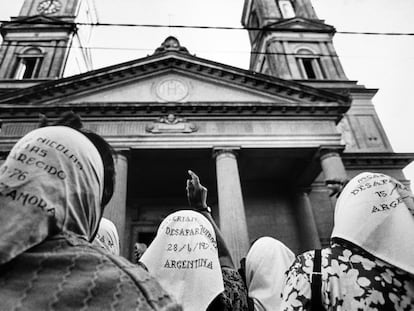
column 107, row 236
column 376, row 212
column 51, row 181
column 183, row 257
column 266, row 263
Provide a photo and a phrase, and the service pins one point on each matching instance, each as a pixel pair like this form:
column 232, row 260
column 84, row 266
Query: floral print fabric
column 351, row 280
column 234, row 297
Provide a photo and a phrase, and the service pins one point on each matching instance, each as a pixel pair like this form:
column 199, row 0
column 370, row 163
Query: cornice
column 38, row 22
column 65, row 87
column 346, row 87
column 216, row 109
column 311, row 25
column 383, row 160
column 355, row 160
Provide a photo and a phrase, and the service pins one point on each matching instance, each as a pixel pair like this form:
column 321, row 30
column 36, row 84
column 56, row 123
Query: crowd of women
column 58, row 253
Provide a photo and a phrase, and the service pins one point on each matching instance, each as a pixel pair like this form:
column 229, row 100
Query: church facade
column 267, row 142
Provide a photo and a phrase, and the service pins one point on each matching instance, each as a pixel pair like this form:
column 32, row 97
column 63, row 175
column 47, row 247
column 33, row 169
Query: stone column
column 332, row 165
column 116, row 208
column 333, row 168
column 233, row 223
column 308, row 231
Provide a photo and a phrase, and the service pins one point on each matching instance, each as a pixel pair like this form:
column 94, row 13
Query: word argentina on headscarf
column 189, row 228
column 375, row 182
column 184, row 252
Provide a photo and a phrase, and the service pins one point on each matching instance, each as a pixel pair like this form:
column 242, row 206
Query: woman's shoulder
column 67, row 262
column 304, row 261
column 137, row 278
column 235, row 292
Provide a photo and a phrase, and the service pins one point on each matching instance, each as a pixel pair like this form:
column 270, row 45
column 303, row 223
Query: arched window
column 28, row 63
column 286, row 9
column 309, row 65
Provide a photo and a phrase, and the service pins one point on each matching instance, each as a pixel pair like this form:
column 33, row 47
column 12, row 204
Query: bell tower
column 44, row 38
column 289, row 41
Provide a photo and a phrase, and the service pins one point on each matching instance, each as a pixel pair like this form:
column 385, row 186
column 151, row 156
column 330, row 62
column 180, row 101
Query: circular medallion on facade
column 171, row 90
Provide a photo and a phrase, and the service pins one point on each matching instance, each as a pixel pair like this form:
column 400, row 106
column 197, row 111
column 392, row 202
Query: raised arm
column 197, row 199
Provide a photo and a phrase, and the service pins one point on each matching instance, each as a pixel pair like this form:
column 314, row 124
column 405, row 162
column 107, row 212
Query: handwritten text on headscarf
column 32, row 155
column 366, row 183
column 191, row 245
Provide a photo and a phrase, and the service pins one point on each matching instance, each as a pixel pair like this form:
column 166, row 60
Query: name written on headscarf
column 51, row 181
column 35, row 155
column 184, row 252
column 191, row 228
column 31, row 154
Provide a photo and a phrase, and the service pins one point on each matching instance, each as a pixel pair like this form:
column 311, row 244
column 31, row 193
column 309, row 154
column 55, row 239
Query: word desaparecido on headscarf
column 191, row 229
column 373, row 182
column 376, row 213
column 184, row 252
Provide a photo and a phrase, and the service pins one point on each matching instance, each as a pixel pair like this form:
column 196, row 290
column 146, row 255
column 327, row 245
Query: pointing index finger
column 194, row 178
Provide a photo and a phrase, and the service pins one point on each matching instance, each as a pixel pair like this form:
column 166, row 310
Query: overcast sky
column 384, row 62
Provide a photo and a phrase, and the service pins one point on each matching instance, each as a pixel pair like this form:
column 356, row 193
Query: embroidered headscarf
column 266, row 263
column 183, row 257
column 52, row 181
column 107, row 236
column 376, row 212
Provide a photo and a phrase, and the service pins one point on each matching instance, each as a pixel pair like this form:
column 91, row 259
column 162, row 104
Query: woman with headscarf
column 266, row 264
column 234, row 296
column 53, row 187
column 107, row 237
column 184, row 258
column 370, row 263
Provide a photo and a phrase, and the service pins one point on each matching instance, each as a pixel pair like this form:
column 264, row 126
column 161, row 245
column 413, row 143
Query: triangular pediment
column 173, row 78
column 302, row 24
column 37, row 21
column 35, row 18
column 173, row 86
